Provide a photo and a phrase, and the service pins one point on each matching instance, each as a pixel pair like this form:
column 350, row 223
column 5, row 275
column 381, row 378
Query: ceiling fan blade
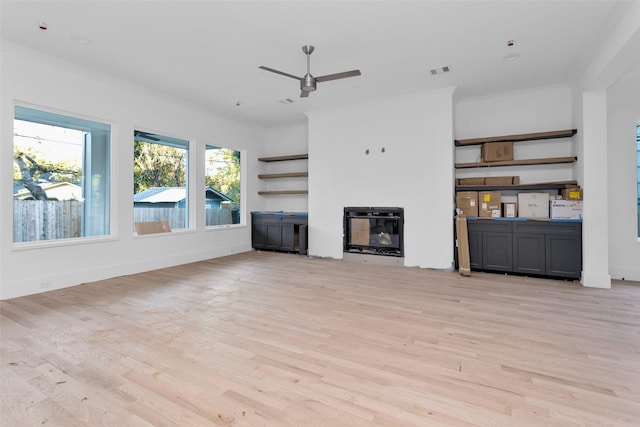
column 147, row 135
column 344, row 75
column 304, row 94
column 279, row 72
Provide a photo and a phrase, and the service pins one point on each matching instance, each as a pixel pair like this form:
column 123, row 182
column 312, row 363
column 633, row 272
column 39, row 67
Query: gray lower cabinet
column 490, row 245
column 548, row 248
column 537, row 248
column 279, row 232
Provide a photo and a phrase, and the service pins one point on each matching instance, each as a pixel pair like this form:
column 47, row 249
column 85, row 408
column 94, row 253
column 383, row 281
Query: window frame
column 111, row 188
column 177, row 142
column 638, row 179
column 242, row 202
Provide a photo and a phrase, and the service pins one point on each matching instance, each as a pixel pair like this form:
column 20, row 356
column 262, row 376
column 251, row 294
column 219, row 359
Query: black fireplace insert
column 374, row 230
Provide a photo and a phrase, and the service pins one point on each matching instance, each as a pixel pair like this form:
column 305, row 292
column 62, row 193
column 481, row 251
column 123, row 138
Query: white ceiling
column 208, row 52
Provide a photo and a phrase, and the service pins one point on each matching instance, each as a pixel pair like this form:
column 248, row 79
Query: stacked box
column 497, row 151
column 489, row 204
column 566, row 209
column 571, row 193
column 510, row 210
column 467, row 202
column 470, row 181
column 502, row 180
column 533, row 205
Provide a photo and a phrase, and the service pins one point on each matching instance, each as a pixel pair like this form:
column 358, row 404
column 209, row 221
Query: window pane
column 222, row 186
column 60, row 176
column 160, row 180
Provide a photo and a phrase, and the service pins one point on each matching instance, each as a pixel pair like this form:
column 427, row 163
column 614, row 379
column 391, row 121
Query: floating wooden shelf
column 284, row 158
column 559, row 185
column 284, row 175
column 274, row 192
column 519, row 137
column 544, row 161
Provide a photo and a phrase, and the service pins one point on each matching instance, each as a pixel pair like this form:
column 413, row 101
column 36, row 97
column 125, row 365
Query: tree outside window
column 60, row 176
column 222, row 181
column 160, row 176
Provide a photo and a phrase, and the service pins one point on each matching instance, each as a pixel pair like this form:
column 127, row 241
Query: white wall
column 43, row 81
column 415, row 172
column 623, row 108
column 283, row 141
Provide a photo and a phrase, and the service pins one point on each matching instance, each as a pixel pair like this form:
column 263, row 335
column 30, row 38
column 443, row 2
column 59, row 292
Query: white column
column 595, row 232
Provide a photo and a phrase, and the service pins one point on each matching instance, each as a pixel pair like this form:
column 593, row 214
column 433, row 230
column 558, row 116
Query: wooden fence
column 176, row 216
column 35, row 220
column 46, row 219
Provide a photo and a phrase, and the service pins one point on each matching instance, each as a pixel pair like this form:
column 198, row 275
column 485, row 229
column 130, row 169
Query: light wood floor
column 267, row 339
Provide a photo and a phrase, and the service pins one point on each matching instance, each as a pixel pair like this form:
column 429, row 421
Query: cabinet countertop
column 281, row 213
column 475, row 218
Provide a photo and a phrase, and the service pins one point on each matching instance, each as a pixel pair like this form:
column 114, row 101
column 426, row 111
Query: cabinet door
column 529, row 253
column 497, row 251
column 287, row 237
column 564, row 255
column 475, row 249
column 258, row 235
column 274, row 239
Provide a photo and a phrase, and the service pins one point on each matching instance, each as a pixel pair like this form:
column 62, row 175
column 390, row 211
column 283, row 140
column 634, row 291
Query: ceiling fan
column 147, row 135
column 308, row 83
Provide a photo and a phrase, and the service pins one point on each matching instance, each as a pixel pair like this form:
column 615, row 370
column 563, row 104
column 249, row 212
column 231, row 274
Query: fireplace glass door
column 373, row 230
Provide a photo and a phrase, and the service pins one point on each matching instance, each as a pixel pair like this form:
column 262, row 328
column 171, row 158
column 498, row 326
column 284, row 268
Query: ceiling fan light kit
column 308, row 83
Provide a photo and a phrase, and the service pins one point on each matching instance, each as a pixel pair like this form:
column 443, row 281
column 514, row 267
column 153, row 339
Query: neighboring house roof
column 54, row 190
column 174, row 195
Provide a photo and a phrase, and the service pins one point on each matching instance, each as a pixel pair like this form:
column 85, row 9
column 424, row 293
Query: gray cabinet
column 537, row 248
column 557, row 250
column 529, row 253
column 490, row 245
column 279, row 231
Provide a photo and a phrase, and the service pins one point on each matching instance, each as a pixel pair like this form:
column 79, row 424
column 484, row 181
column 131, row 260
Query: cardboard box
column 360, row 231
column 467, row 202
column 470, row 181
column 571, row 193
column 489, row 204
column 497, row 151
column 566, row 209
column 502, row 180
column 533, row 205
column 510, row 210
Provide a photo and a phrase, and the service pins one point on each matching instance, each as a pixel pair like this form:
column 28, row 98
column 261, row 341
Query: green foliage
column 223, row 172
column 158, row 165
column 60, row 171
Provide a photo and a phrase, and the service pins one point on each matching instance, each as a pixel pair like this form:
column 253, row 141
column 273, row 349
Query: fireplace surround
column 374, row 230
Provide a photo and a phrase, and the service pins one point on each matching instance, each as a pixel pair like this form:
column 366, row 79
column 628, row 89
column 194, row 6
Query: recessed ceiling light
column 511, row 57
column 286, row 101
column 43, row 26
column 80, row 39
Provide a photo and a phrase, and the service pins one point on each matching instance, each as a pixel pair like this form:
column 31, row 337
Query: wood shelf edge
column 565, row 133
column 284, row 175
column 284, row 158
column 556, row 185
column 275, row 192
column 525, row 162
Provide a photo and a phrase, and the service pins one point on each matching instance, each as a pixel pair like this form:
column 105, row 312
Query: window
column 160, row 174
column 60, row 176
column 638, row 174
column 222, row 186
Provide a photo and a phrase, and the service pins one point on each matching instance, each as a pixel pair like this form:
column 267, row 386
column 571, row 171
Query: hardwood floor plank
column 270, row 339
